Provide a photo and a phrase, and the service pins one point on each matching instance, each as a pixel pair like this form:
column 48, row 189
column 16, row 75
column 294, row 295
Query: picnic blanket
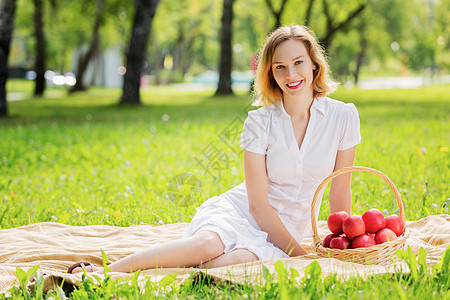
column 54, row 247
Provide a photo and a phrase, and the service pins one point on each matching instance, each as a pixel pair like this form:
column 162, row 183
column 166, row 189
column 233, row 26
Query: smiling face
column 292, row 69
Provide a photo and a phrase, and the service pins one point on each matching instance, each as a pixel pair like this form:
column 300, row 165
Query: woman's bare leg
column 236, row 256
column 187, row 252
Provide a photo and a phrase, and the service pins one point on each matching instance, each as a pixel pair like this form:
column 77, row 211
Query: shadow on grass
column 102, row 106
column 178, row 107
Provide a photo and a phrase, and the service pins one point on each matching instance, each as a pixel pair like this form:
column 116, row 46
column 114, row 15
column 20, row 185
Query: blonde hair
column 268, row 91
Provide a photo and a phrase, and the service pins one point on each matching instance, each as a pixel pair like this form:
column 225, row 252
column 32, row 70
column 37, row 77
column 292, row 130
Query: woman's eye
column 298, row 62
column 279, row 67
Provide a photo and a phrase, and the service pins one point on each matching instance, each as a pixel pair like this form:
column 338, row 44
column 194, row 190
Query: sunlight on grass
column 82, row 159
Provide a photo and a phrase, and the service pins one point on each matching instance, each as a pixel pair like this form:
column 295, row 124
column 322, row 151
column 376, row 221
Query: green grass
column 85, row 160
column 20, row 86
column 424, row 283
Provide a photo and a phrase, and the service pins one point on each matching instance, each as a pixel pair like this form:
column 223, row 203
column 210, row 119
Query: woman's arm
column 266, row 217
column 340, row 189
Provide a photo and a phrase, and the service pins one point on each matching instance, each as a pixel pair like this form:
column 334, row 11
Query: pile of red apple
column 370, row 229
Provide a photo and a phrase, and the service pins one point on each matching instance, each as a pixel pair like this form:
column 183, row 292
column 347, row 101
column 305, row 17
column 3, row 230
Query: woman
column 290, row 145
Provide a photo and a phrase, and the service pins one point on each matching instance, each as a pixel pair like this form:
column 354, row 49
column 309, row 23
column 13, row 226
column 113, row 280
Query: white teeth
column 294, row 84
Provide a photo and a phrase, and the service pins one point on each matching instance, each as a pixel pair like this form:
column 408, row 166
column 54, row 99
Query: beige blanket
column 54, row 247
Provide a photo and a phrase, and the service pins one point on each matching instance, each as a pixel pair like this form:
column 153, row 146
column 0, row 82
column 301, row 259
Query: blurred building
column 104, row 69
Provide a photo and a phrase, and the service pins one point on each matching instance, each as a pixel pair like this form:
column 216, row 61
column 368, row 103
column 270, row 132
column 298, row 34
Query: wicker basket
column 377, row 254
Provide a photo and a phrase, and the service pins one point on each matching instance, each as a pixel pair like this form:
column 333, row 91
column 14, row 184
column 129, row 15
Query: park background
column 55, row 41
column 151, row 149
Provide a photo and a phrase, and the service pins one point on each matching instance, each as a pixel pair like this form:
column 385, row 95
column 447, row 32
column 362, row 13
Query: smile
column 294, row 85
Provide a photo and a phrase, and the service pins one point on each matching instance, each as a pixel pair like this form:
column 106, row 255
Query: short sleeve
column 254, row 134
column 350, row 135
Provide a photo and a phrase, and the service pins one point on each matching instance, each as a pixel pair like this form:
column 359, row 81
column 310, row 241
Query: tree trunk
column 308, row 12
column 188, row 57
column 39, row 65
column 158, row 61
column 83, row 62
column 182, row 55
column 145, row 11
column 7, row 13
column 178, row 55
column 363, row 44
column 226, row 58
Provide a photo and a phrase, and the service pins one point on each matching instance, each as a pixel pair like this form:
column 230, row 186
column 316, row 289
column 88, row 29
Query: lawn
column 83, row 160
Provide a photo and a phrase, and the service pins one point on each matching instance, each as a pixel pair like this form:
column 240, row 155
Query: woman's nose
column 290, row 72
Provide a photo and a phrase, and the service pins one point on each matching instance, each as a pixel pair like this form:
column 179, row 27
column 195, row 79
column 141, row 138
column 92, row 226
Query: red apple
column 340, row 242
column 385, row 235
column 364, row 240
column 374, row 220
column 395, row 223
column 335, row 221
column 327, row 239
column 354, row 226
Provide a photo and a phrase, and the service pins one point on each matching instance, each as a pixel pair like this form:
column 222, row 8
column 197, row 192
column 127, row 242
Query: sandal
column 82, row 264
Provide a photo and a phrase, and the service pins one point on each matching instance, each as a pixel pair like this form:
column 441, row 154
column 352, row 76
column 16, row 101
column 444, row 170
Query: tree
column 442, row 30
column 308, row 12
column 276, row 13
column 40, row 59
column 68, row 27
column 137, row 50
column 188, row 30
column 224, row 86
column 336, row 24
column 183, row 36
column 93, row 48
column 156, row 59
column 375, row 40
column 363, row 45
column 332, row 26
column 7, row 13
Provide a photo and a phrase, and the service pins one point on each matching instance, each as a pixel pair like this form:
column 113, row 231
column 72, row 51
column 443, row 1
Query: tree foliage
column 276, row 12
column 184, row 38
column 360, row 36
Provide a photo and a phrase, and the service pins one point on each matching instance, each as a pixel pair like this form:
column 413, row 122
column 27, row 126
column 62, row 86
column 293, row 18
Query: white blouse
column 294, row 174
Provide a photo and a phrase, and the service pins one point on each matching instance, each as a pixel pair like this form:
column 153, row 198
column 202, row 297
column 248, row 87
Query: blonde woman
column 290, row 144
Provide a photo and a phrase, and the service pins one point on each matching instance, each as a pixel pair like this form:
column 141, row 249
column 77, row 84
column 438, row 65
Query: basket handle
column 346, row 170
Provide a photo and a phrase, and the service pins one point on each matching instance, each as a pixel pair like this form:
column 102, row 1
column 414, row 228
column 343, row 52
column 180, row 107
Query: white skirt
column 219, row 215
